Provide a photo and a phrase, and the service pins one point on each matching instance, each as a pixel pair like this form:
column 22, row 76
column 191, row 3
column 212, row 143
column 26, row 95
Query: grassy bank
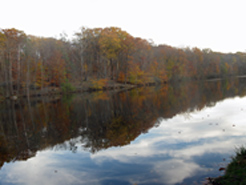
column 235, row 172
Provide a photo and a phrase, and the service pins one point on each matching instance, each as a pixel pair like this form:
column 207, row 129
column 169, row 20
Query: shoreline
column 92, row 86
column 82, row 88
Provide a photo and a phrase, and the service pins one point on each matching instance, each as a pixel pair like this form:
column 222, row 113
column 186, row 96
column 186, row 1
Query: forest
column 99, row 58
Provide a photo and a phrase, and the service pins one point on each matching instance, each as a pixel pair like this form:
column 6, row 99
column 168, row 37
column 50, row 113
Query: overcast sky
column 215, row 24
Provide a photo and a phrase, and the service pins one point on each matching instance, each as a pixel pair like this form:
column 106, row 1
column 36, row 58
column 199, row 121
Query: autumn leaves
column 100, row 55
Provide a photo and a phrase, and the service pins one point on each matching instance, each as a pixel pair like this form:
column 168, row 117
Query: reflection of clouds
column 168, row 152
column 46, row 168
column 206, row 124
column 179, row 140
column 219, row 147
column 175, row 171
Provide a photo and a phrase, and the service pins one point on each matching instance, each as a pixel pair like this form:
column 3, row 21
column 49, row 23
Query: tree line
column 103, row 55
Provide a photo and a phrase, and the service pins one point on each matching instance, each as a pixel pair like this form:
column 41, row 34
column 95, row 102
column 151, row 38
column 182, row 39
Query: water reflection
column 182, row 148
column 192, row 129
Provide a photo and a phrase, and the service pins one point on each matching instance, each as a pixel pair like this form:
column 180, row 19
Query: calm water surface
column 175, row 134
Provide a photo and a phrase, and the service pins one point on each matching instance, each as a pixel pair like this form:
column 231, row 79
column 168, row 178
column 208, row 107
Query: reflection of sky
column 184, row 149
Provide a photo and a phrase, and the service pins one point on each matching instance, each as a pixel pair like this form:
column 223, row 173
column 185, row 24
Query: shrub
column 67, row 87
column 235, row 172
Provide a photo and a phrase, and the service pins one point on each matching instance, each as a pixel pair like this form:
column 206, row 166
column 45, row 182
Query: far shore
column 90, row 86
column 77, row 88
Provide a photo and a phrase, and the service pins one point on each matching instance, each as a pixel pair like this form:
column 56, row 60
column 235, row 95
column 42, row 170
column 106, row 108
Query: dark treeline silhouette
column 102, row 119
column 96, row 57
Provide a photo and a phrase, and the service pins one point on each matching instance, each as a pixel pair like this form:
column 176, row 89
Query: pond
column 162, row 135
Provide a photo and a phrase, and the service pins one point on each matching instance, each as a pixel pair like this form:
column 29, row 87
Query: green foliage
column 67, row 87
column 136, row 78
column 67, row 99
column 236, row 171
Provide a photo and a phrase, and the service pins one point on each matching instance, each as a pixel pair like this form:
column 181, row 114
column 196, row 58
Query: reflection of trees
column 101, row 120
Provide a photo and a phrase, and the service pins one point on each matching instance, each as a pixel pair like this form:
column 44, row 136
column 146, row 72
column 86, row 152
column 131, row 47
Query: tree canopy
column 103, row 54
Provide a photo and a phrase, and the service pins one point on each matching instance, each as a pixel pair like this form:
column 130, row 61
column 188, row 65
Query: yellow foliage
column 100, row 84
column 136, row 75
column 101, row 96
column 85, row 67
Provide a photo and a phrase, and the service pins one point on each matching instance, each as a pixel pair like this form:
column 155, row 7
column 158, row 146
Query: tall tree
column 14, row 44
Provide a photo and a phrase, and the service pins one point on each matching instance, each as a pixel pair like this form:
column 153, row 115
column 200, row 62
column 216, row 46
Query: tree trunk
column 112, row 69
